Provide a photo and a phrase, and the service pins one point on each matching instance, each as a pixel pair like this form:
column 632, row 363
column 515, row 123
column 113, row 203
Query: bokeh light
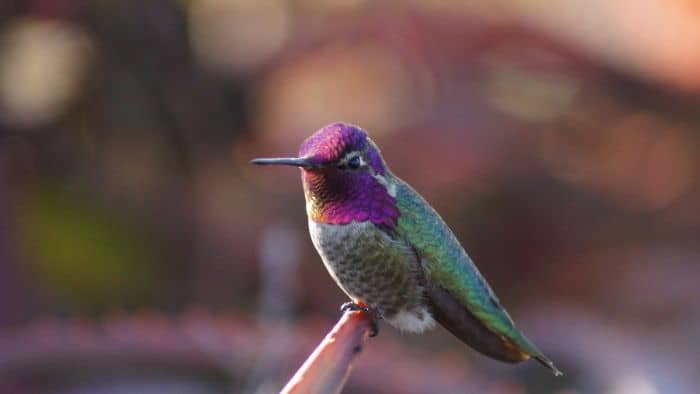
column 141, row 252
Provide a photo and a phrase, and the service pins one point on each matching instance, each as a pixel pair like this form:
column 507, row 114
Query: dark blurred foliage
column 139, row 252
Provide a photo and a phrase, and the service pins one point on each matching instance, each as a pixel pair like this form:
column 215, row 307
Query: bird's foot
column 353, row 306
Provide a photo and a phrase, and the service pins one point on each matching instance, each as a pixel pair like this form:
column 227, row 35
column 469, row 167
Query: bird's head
column 344, row 176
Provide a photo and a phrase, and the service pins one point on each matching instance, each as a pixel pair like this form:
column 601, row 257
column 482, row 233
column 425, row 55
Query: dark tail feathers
column 549, row 364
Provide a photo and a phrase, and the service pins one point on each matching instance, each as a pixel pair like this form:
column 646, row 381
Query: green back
column 448, row 265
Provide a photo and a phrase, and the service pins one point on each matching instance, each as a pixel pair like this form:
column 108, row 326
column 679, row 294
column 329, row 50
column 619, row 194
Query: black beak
column 286, row 161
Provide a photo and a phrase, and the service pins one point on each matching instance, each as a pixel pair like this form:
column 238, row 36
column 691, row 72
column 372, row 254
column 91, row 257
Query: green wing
column 448, row 266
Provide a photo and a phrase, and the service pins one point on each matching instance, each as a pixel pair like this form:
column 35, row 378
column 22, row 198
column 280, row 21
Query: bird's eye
column 354, row 163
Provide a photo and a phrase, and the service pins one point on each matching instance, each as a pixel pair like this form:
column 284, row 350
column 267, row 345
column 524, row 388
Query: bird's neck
column 334, row 198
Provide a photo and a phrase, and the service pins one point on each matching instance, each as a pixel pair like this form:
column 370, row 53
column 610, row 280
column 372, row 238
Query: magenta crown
column 339, row 197
column 334, row 141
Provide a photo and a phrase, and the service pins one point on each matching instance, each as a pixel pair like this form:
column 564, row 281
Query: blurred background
column 141, row 253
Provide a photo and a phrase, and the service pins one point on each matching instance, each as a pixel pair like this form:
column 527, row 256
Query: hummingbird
column 391, row 252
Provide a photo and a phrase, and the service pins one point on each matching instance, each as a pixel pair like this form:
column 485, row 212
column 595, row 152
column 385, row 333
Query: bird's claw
column 352, row 306
column 374, row 328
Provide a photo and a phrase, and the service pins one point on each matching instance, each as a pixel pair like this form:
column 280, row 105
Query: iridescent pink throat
column 335, row 198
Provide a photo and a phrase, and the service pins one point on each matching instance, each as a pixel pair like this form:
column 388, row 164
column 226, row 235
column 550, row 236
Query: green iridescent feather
column 450, row 267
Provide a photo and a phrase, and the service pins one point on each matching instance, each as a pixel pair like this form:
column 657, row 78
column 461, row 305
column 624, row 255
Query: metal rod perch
column 328, row 367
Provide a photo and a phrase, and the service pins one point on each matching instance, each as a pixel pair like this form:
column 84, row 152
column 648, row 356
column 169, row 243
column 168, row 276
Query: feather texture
column 461, row 298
